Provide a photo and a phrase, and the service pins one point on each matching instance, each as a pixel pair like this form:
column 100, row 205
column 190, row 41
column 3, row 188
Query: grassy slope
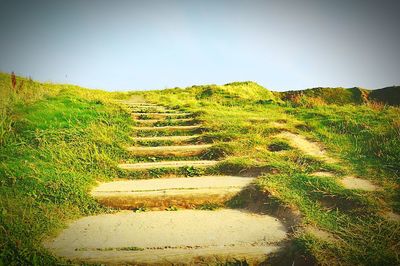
column 56, row 140
column 388, row 95
column 342, row 96
column 366, row 139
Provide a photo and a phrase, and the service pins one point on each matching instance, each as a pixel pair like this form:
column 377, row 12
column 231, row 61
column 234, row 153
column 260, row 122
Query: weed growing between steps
column 52, row 149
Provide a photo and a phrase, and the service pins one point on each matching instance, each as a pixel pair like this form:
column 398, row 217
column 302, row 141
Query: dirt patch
column 308, row 147
column 351, row 182
column 321, row 234
column 277, row 124
column 392, row 216
column 170, row 237
column 256, row 201
column 278, row 146
column 333, row 202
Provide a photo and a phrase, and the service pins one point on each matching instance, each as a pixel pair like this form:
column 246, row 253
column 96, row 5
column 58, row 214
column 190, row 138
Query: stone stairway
column 168, row 224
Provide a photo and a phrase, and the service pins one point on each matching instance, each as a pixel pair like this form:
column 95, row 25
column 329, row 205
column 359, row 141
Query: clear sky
column 125, row 45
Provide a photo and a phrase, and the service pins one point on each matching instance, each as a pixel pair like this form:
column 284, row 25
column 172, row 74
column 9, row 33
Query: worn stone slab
column 153, row 121
column 167, row 164
column 308, row 147
column 351, row 182
column 166, row 138
column 162, row 237
column 163, row 193
column 161, row 128
column 181, row 150
column 156, row 114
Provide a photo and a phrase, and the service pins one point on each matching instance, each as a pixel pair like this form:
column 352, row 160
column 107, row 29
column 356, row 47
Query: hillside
column 342, row 96
column 326, row 170
column 388, row 95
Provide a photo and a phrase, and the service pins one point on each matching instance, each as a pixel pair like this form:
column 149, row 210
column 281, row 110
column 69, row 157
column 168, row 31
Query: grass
column 55, row 144
column 56, row 141
column 364, row 138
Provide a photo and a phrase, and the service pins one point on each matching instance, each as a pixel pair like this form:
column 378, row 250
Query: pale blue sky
column 125, row 45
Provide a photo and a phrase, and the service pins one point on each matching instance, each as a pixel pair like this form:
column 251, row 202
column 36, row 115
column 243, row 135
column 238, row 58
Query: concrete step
column 167, row 164
column 153, row 121
column 162, row 114
column 151, row 109
column 184, row 237
column 184, row 150
column 163, row 193
column 175, row 139
column 136, row 103
column 161, row 128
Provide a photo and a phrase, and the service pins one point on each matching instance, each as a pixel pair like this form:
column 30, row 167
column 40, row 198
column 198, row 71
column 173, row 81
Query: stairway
column 165, row 221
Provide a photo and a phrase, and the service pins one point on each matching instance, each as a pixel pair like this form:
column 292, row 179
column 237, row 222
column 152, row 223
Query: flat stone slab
column 170, row 237
column 153, row 121
column 308, row 147
column 168, row 128
column 351, row 182
column 323, row 174
column 167, row 164
column 181, row 150
column 157, row 114
column 163, row 193
column 166, row 138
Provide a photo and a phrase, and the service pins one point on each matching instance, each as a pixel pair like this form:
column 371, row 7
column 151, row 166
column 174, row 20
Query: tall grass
column 56, row 140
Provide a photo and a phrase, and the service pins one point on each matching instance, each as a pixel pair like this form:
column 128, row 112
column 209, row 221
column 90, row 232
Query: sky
column 141, row 45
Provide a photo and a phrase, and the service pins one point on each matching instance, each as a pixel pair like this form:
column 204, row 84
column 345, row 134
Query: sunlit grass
column 57, row 140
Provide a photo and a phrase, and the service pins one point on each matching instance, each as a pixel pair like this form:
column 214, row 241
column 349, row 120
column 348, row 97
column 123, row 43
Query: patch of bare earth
column 321, row 234
column 392, row 216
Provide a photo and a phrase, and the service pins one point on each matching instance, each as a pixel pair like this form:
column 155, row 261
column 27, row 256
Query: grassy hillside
column 57, row 140
column 366, row 140
column 388, row 95
column 342, row 96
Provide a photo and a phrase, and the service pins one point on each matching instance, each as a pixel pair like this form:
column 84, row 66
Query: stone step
column 166, row 138
column 151, row 109
column 167, row 164
column 182, row 128
column 144, row 105
column 163, row 193
column 180, row 237
column 153, row 121
column 135, row 103
column 184, row 150
column 158, row 114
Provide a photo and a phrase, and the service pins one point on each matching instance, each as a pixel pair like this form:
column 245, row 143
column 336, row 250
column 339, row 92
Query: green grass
column 52, row 151
column 365, row 138
column 56, row 141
